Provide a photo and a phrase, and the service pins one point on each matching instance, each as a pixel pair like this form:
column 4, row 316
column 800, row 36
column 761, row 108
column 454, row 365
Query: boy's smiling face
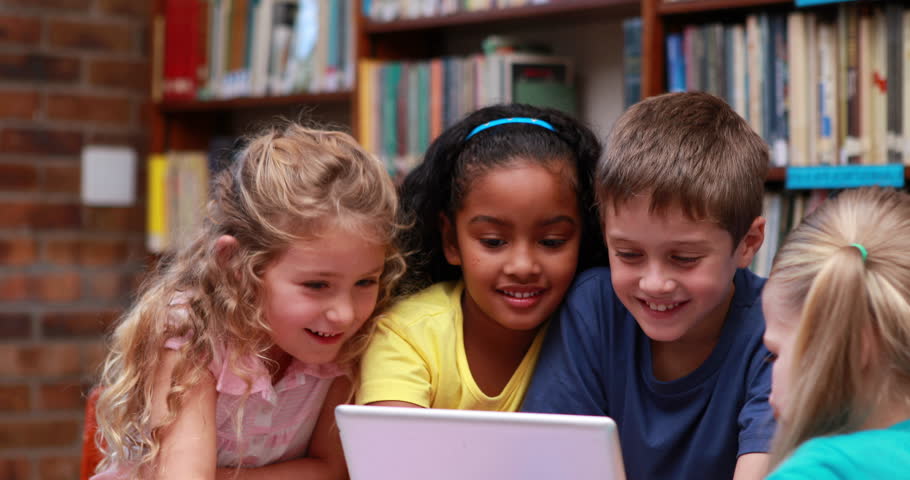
column 674, row 274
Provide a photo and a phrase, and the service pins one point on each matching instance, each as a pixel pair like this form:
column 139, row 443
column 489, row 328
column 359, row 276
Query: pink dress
column 278, row 420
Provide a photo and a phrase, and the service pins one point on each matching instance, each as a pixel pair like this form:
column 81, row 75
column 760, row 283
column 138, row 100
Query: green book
column 545, row 94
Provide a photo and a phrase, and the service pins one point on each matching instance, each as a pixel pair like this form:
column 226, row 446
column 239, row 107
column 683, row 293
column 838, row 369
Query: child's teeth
column 521, row 294
column 662, row 307
column 322, row 334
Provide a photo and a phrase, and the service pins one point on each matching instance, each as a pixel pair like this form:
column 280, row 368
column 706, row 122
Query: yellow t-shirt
column 417, row 355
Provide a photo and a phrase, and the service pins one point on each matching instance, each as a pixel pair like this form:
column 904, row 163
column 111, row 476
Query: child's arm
column 751, row 466
column 325, row 459
column 756, row 420
column 188, row 444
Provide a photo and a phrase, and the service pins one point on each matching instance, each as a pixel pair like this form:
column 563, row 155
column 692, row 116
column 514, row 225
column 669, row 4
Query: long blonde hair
column 288, row 183
column 843, row 298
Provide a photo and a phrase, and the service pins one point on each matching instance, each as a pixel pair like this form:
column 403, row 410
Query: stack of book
column 215, row 49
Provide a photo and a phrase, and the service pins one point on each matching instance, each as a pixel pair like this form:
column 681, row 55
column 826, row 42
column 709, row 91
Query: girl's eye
column 367, row 282
column 492, row 242
column 553, row 242
column 771, row 357
column 628, row 255
column 316, row 285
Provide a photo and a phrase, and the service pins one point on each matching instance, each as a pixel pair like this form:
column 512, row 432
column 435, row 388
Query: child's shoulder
column 439, row 299
column 746, row 302
column 593, row 285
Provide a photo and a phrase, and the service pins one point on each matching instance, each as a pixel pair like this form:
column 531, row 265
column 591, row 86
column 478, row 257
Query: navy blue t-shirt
column 597, row 361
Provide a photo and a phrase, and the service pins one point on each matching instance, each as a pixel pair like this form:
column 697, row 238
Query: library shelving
column 179, row 123
column 825, row 85
column 208, row 104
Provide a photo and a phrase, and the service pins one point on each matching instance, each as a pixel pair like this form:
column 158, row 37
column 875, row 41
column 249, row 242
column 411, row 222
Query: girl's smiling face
column 320, row 292
column 516, row 238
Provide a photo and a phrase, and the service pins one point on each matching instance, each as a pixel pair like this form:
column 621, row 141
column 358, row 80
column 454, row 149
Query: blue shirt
column 870, row 454
column 597, row 361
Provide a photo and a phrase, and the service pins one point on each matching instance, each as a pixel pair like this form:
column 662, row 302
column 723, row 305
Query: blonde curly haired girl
column 237, row 351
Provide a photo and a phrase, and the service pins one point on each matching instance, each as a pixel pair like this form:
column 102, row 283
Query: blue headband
column 501, row 121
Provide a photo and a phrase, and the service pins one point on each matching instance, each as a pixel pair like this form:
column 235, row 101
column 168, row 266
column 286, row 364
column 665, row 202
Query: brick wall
column 72, row 73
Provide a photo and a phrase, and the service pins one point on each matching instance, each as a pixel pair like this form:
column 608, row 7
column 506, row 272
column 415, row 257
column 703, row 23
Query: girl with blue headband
column 501, row 216
column 837, row 307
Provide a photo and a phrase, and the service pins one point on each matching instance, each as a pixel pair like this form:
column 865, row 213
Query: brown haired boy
column 668, row 341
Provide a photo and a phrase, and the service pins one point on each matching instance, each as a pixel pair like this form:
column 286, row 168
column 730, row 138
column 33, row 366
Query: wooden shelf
column 779, row 174
column 694, row 6
column 249, row 103
column 554, row 7
column 776, row 175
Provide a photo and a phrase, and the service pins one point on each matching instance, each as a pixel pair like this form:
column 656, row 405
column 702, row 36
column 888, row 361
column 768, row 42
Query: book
column 156, row 203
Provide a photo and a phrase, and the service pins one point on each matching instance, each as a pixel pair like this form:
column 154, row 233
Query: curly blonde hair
column 288, row 183
column 840, row 297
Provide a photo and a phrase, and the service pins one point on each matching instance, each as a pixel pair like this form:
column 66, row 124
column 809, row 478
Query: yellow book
column 156, row 217
column 365, row 111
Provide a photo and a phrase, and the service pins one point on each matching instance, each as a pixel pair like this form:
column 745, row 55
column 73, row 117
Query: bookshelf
column 557, row 8
column 249, row 103
column 183, row 123
column 824, row 85
column 587, row 31
column 662, row 20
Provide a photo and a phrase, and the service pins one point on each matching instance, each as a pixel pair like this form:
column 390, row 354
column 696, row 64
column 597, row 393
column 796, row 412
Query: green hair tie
column 862, row 250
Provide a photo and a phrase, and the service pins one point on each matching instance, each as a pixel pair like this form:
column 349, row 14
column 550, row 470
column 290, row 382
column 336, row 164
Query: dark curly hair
column 441, row 182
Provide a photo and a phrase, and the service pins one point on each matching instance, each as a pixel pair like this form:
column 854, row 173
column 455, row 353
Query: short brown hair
column 688, row 149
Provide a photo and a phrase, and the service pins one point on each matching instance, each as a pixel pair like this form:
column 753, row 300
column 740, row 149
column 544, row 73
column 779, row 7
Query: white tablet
column 391, row 443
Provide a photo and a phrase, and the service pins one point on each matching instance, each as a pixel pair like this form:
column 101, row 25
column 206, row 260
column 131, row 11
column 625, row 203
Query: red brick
column 47, row 359
column 62, row 179
column 120, row 74
column 93, row 36
column 58, row 4
column 17, row 251
column 14, row 398
column 61, row 251
column 14, row 287
column 21, row 30
column 59, row 468
column 19, row 105
column 15, row 326
column 40, row 141
column 39, row 68
column 115, row 219
column 108, row 110
column 18, row 178
column 109, row 286
column 132, row 8
column 54, row 216
column 14, row 469
column 38, row 433
column 103, row 252
column 62, row 396
column 56, row 287
column 77, row 324
column 134, row 140
column 15, row 214
column 94, row 358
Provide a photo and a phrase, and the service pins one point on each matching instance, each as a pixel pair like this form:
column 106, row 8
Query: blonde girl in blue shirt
column 837, row 305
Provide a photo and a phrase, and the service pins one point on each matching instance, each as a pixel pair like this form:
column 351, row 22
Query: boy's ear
column 225, row 249
column 751, row 242
column 449, row 240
